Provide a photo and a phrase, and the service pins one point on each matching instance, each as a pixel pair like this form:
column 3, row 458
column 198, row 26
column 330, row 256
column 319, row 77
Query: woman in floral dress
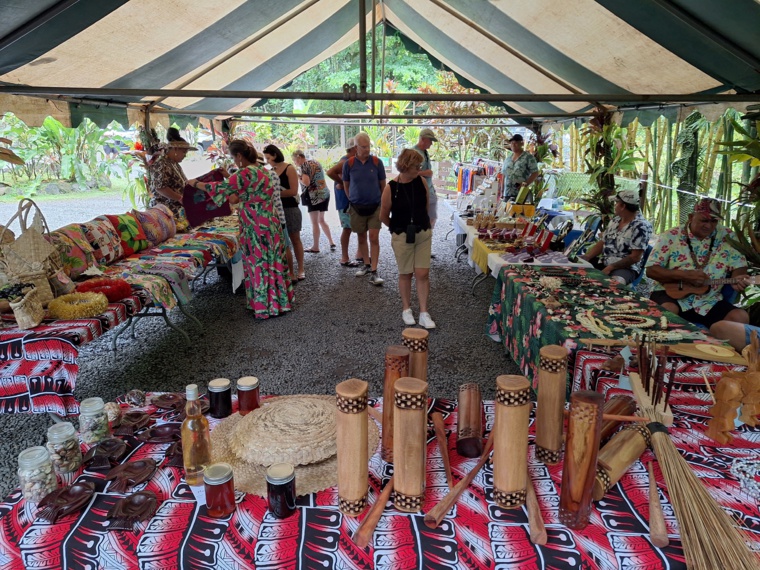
column 267, row 284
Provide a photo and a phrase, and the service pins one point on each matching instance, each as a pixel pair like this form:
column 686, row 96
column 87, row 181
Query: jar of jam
column 93, row 420
column 281, row 490
column 220, row 397
column 220, row 490
column 248, row 394
column 63, row 446
column 35, row 474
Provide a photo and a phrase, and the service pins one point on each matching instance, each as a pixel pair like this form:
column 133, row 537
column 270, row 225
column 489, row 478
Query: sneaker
column 375, row 279
column 426, row 321
column 408, row 317
column 363, row 271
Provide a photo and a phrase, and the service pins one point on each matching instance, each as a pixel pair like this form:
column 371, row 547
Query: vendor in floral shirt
column 691, row 255
column 624, row 241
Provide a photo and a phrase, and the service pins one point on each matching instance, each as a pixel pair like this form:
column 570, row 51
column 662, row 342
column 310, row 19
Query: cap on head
column 516, row 138
column 350, row 143
column 708, row 207
column 427, row 133
column 628, row 197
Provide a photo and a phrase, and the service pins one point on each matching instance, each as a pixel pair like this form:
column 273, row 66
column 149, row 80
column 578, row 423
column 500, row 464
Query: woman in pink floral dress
column 267, row 284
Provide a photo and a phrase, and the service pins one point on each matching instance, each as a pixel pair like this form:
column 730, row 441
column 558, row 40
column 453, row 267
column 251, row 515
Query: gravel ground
column 339, row 329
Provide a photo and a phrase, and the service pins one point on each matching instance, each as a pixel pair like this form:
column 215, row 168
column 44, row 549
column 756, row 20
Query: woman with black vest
column 404, row 209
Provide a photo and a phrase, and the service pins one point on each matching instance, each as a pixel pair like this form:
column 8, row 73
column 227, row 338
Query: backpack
column 375, row 161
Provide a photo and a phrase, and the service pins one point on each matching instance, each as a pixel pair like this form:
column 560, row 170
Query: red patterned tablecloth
column 39, row 367
column 477, row 534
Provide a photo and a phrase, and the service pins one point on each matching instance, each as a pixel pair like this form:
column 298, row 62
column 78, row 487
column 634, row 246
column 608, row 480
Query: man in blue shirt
column 363, row 181
column 341, row 203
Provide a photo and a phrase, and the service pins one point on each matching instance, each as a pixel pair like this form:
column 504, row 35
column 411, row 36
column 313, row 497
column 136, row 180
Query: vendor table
column 519, row 317
column 39, row 367
column 477, row 534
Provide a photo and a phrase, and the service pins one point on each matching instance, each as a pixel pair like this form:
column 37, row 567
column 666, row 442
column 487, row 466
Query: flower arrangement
column 78, row 306
column 114, row 289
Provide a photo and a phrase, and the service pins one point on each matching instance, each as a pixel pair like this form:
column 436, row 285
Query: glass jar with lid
column 220, row 490
column 220, row 397
column 93, row 421
column 35, row 474
column 248, row 394
column 63, row 446
column 281, row 490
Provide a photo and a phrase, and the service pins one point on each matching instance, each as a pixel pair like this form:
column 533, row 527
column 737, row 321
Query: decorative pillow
column 76, row 252
column 105, row 242
column 156, row 225
column 166, row 211
column 131, row 233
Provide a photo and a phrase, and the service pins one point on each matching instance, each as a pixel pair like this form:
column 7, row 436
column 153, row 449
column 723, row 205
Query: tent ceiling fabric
column 502, row 46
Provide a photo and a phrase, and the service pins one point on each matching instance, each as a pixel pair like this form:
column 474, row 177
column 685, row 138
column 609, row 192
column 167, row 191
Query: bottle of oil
column 196, row 439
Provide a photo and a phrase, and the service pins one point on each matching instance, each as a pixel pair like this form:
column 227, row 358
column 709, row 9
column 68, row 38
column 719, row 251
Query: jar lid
column 247, row 383
column 60, row 432
column 217, row 473
column 91, row 405
column 191, row 392
column 33, row 457
column 219, row 385
column 279, row 473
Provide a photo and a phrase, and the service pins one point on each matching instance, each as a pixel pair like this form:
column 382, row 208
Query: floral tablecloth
column 475, row 535
column 529, row 311
column 39, row 367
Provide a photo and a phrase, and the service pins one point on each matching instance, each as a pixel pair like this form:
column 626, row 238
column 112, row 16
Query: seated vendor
column 738, row 335
column 624, row 241
column 685, row 259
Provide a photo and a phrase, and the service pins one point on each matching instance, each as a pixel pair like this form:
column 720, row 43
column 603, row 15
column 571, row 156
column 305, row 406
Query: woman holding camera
column 404, row 209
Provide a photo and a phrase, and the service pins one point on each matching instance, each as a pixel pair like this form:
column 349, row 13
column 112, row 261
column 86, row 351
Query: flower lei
column 114, row 289
column 551, row 283
column 78, row 306
column 588, row 321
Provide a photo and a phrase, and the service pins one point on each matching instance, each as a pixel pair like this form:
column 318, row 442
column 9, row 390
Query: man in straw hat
column 341, row 203
column 686, row 258
column 623, row 243
column 167, row 180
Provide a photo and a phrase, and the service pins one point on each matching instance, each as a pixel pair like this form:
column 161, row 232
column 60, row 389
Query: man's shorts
column 345, row 220
column 411, row 256
column 717, row 313
column 360, row 224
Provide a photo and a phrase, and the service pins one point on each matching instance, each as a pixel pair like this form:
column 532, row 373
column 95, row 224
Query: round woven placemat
column 251, row 477
column 291, row 429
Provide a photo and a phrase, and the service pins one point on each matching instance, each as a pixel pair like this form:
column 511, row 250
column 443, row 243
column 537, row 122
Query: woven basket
column 28, row 311
column 41, row 285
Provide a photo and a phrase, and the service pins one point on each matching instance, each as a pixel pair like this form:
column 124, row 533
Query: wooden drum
column 469, row 421
column 510, row 444
column 550, row 418
column 353, row 463
column 416, row 340
column 396, row 366
column 409, row 443
column 615, row 458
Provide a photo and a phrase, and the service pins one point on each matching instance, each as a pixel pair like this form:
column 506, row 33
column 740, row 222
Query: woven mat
column 250, row 477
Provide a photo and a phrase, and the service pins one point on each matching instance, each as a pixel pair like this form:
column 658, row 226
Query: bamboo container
column 409, row 443
column 510, row 444
column 617, row 406
column 581, row 451
column 552, row 390
column 615, row 458
column 469, row 421
column 396, row 366
column 353, row 463
column 416, row 340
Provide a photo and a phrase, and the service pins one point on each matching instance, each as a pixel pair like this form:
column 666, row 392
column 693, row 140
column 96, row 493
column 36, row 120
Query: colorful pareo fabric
column 672, row 252
column 620, row 243
column 267, row 284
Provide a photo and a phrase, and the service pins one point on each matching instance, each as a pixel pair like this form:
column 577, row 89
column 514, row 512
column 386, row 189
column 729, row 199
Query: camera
column 411, row 233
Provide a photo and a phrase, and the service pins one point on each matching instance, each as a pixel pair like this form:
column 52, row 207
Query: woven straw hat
column 285, row 429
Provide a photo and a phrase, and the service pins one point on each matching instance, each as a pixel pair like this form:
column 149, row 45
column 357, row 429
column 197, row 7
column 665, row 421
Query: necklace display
column 594, row 325
column 746, row 470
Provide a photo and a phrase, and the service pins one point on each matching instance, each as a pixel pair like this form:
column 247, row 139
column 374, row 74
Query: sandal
column 301, row 277
column 332, row 247
column 311, row 250
column 351, row 263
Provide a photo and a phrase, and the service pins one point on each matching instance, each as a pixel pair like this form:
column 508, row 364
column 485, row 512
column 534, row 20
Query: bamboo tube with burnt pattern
column 470, row 421
column 353, row 463
column 552, row 389
column 617, row 456
column 409, row 443
column 416, row 340
column 396, row 366
column 581, row 451
column 510, row 440
column 619, row 405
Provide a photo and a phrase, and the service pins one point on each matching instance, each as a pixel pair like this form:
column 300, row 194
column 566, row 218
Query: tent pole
column 374, row 48
column 362, row 49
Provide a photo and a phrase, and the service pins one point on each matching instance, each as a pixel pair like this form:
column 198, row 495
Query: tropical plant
column 686, row 166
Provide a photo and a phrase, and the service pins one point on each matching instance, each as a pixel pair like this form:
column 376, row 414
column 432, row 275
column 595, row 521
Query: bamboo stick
column 443, row 444
column 363, row 535
column 435, row 515
column 658, row 532
column 535, row 520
